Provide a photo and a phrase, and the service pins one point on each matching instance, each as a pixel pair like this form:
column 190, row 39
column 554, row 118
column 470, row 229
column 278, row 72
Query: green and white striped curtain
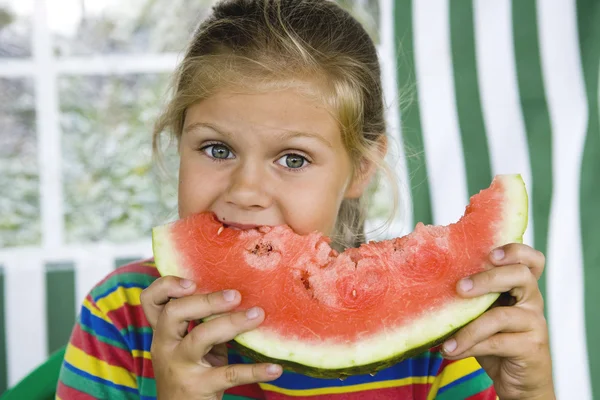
column 494, row 86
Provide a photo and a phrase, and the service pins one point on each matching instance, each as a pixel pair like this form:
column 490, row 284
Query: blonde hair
column 274, row 44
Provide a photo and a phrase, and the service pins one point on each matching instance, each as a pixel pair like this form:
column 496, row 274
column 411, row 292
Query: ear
column 366, row 171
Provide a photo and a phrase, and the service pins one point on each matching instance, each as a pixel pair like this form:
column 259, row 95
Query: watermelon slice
column 330, row 314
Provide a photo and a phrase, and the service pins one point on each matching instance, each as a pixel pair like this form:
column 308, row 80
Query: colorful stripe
column 101, row 328
column 453, row 372
column 394, row 383
column 477, row 385
column 419, row 367
column 119, row 296
column 79, row 362
column 147, row 384
column 143, row 278
column 67, row 393
column 462, row 380
column 252, row 391
column 228, row 396
column 93, row 309
column 99, row 388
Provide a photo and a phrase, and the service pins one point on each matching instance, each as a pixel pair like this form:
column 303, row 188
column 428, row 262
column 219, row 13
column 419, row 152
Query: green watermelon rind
column 383, row 344
column 331, row 360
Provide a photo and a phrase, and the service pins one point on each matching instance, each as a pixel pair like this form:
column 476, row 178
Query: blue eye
column 293, row 161
column 218, row 151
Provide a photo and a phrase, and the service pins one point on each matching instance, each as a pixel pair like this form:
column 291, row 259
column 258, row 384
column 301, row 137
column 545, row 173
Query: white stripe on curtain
column 437, row 103
column 567, row 105
column 26, row 335
column 403, row 222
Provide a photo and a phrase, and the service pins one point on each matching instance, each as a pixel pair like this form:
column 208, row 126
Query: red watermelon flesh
column 330, row 314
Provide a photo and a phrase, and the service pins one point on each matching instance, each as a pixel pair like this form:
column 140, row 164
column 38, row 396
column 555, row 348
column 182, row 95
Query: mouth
column 241, row 227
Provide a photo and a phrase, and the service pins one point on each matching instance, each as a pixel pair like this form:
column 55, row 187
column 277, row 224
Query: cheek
column 193, row 191
column 315, row 206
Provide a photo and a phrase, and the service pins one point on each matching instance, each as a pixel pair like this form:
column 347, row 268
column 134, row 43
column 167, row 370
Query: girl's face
column 265, row 159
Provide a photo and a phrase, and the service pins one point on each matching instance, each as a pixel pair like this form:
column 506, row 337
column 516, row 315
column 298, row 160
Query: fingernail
column 185, row 283
column 450, row 345
column 229, row 295
column 273, row 369
column 498, row 254
column 252, row 313
column 465, row 284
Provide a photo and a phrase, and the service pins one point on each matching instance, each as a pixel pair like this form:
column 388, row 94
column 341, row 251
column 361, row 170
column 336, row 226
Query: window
column 81, row 82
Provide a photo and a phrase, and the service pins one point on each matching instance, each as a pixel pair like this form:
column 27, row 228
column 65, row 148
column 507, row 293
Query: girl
column 279, row 119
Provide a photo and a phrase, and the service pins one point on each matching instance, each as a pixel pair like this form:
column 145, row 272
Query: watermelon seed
column 304, row 279
column 353, row 292
column 220, row 230
column 262, row 249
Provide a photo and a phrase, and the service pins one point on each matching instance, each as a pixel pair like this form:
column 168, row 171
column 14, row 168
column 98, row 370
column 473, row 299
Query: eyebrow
column 283, row 135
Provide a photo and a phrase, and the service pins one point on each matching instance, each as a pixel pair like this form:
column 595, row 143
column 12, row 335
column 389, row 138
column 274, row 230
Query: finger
column 508, row 345
column 516, row 279
column 490, row 323
column 517, row 253
column 240, row 374
column 219, row 330
column 500, row 345
column 174, row 321
column 155, row 296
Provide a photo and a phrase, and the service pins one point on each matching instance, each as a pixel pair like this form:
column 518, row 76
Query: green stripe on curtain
column 588, row 16
column 60, row 304
column 468, row 101
column 536, row 118
column 410, row 116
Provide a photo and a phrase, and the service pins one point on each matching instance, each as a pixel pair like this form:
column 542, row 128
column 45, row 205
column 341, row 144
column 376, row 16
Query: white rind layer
column 165, row 257
column 514, row 221
column 389, row 344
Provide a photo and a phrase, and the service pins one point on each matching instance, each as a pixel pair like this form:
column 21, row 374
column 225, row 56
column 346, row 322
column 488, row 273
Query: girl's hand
column 509, row 341
column 194, row 365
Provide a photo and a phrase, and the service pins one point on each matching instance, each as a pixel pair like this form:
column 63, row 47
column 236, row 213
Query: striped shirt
column 108, row 357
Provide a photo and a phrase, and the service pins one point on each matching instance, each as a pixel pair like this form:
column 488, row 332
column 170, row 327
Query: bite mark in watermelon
column 330, row 314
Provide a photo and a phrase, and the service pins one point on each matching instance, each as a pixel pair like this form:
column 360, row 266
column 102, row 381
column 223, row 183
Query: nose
column 248, row 188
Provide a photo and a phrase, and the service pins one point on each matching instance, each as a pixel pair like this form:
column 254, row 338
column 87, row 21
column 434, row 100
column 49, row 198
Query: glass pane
column 113, row 189
column 82, row 27
column 15, row 28
column 19, row 180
